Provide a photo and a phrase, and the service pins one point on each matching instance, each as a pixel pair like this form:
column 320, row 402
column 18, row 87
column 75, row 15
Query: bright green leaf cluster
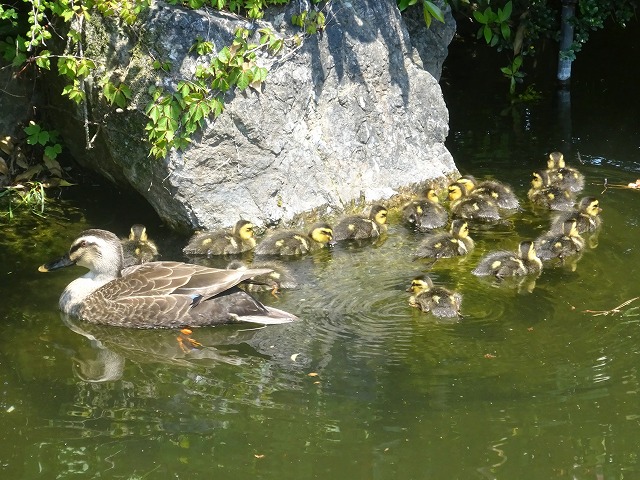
column 174, row 117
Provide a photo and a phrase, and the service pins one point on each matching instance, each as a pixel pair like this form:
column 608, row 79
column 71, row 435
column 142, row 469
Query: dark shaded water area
column 526, row 385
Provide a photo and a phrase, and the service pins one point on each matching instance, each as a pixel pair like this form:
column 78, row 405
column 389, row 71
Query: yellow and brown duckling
column 587, row 216
column 240, row 238
column 291, row 242
column 560, row 245
column 437, row 300
column 278, row 278
column 562, row 175
column 138, row 248
column 358, row 227
column 543, row 194
column 454, row 243
column 425, row 214
column 500, row 193
column 503, row 263
column 470, row 206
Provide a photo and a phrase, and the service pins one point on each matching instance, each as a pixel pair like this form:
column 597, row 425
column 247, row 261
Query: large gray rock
column 347, row 118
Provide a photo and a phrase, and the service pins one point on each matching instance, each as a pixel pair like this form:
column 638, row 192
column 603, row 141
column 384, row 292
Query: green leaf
column 224, row 56
column 488, row 34
column 479, row 17
column 506, row 31
column 434, row 11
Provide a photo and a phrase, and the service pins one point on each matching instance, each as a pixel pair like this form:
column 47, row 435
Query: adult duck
column 154, row 294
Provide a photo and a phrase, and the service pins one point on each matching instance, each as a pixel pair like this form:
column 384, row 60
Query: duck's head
column 322, row 233
column 456, row 191
column 590, row 206
column 459, row 228
column 98, row 250
column 540, row 179
column 244, row 230
column 138, row 233
column 555, row 160
column 527, row 250
column 420, row 284
column 379, row 214
column 432, row 196
column 468, row 182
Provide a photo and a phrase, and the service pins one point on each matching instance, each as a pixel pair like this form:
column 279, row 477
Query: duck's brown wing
column 158, row 279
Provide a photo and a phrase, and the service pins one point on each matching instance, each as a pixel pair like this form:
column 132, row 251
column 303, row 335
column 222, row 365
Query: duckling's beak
column 62, row 262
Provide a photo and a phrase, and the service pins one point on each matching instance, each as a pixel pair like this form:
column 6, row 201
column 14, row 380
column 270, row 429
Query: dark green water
column 527, row 385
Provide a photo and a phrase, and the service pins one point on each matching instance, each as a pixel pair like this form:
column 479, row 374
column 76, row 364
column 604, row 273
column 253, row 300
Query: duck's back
column 175, row 294
column 286, row 242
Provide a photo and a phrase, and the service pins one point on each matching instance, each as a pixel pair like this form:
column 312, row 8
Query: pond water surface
column 526, row 385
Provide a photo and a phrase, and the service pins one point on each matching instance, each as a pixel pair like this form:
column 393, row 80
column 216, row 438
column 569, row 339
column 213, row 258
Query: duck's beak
column 62, row 262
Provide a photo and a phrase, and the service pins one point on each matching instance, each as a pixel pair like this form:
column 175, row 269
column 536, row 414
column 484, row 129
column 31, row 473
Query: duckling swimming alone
column 357, row 227
column 542, row 193
column 504, row 263
column 560, row 245
column 291, row 242
column 471, row 207
column 154, row 294
column 563, row 176
column 223, row 242
column 138, row 248
column 587, row 216
column 454, row 243
column 501, row 194
column 427, row 214
column 437, row 300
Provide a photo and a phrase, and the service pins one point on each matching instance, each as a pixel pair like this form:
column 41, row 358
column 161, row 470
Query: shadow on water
column 363, row 386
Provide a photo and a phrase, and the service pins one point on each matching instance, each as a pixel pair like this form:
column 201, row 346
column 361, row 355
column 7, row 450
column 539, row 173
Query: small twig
column 613, row 310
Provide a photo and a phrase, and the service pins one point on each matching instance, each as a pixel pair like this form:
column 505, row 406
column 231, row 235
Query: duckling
column 427, row 214
column 279, row 277
column 138, row 248
column 290, row 242
column 437, row 300
column 357, row 227
column 500, row 193
column 223, row 242
column 154, row 294
column 471, row 207
column 587, row 216
column 560, row 245
column 503, row 263
column 563, row 176
column 454, row 243
column 542, row 193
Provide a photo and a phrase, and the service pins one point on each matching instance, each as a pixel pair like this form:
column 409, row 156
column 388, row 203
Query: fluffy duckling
column 357, row 227
column 223, row 242
column 560, row 245
column 500, row 193
column 437, row 300
column 587, row 216
column 563, row 176
column 138, row 248
column 291, row 242
column 542, row 193
column 503, row 263
column 454, row 243
column 470, row 206
column 279, row 277
column 426, row 214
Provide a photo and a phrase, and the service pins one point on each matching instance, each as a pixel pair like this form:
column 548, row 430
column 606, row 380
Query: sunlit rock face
column 350, row 116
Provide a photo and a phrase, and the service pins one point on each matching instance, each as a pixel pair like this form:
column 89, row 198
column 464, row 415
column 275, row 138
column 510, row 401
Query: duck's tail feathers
column 274, row 316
